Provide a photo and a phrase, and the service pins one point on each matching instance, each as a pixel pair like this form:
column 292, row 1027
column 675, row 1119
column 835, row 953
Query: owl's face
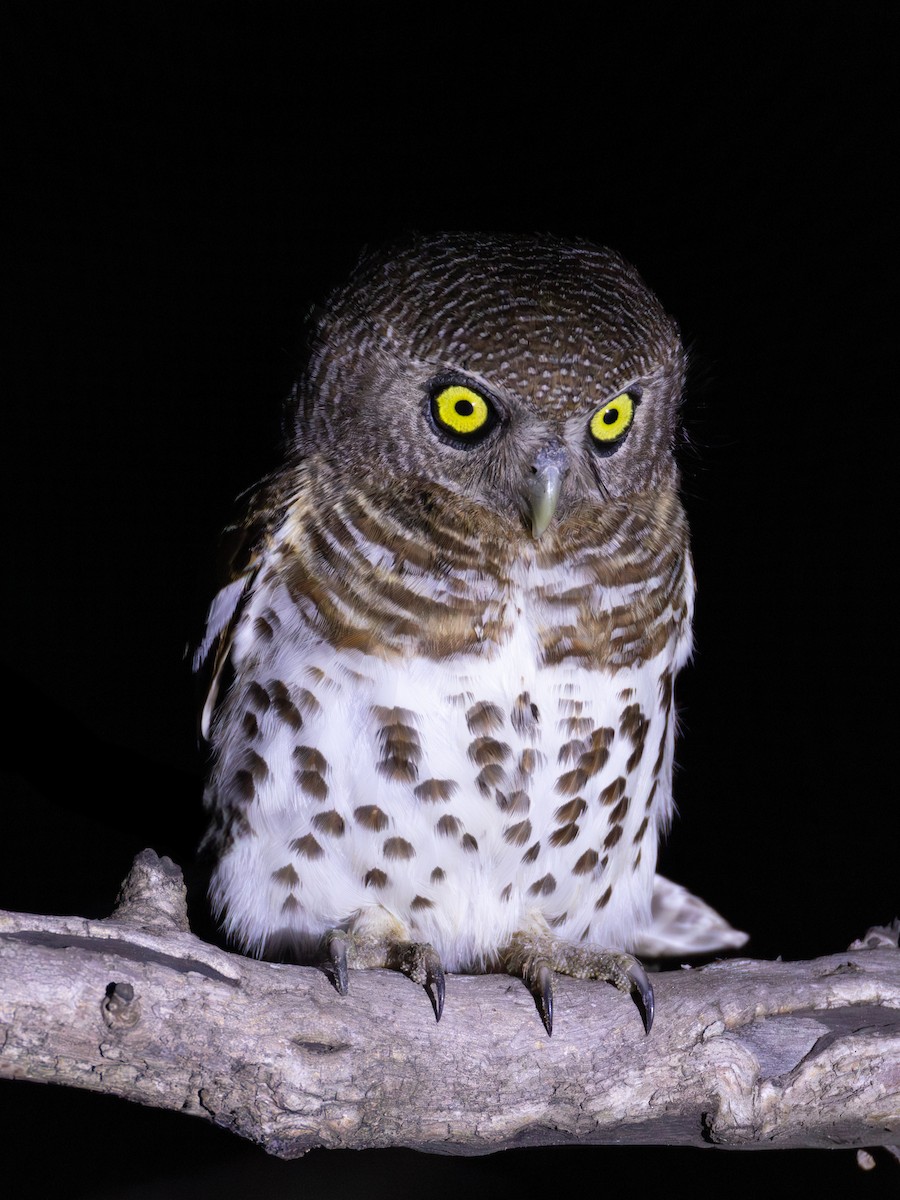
column 529, row 378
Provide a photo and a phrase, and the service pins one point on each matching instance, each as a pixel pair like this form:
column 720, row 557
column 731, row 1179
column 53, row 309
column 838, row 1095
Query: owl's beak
column 549, row 470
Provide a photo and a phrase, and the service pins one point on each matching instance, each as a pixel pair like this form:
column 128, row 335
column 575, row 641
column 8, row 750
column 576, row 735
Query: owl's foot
column 535, row 959
column 418, row 961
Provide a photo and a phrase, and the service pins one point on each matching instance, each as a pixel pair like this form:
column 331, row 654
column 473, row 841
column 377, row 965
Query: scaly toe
column 420, row 962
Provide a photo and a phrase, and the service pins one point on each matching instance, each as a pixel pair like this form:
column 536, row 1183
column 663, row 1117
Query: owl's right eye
column 462, row 413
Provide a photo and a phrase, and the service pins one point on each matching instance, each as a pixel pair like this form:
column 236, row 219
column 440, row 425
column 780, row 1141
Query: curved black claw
column 542, row 990
column 336, row 945
column 642, row 990
column 434, row 984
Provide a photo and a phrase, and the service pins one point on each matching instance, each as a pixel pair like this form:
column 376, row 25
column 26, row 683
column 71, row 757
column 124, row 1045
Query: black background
column 184, row 182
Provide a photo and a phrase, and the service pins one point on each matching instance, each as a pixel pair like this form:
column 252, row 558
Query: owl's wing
column 243, row 545
column 683, row 924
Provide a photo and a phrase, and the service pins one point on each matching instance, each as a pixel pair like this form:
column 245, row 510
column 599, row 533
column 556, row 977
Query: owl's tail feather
column 682, row 924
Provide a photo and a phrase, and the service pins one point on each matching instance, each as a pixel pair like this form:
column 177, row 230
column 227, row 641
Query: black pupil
column 465, row 408
column 610, row 417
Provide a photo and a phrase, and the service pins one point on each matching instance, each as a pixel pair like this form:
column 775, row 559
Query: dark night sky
column 182, row 190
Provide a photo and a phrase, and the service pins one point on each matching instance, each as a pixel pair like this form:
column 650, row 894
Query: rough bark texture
column 743, row 1054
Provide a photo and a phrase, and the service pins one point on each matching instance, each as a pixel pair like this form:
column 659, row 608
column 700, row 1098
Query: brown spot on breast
column 431, row 791
column 575, row 726
column 400, row 751
column 375, row 878
column 572, row 782
column 487, row 750
column 524, row 715
column 555, row 922
column 570, row 811
column 448, row 826
column 571, row 751
column 663, row 740
column 642, row 829
column 531, row 853
column 312, row 783
column 256, row 765
column 330, row 822
column 309, row 759
column 665, row 689
column 307, row 702
column 398, row 847
column 393, row 716
column 517, row 835
column 564, row 835
column 370, row 816
column 620, row 810
column 506, row 893
column 613, row 792
column 593, row 762
column 544, row 886
column 530, row 760
column 290, row 904
column 612, row 837
column 634, row 725
column 484, row 717
column 637, row 859
column 307, row 846
column 286, row 875
column 626, row 694
column 420, row 902
column 570, row 708
column 438, row 875
column 604, row 899
column 602, row 737
column 490, row 777
column 469, row 843
column 283, row 704
column 398, row 770
column 263, row 630
column 513, row 802
column 244, row 787
column 586, row 863
column 650, row 795
column 250, row 725
column 258, row 697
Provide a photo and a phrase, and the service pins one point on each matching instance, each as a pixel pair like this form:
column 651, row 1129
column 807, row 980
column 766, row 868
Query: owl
column 441, row 703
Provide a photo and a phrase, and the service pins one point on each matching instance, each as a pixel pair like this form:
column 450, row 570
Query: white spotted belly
column 466, row 800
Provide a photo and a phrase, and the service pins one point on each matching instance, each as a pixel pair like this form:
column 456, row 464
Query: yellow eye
column 613, row 420
column 461, row 411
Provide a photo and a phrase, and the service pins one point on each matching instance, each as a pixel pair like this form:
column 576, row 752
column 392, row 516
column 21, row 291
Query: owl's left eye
column 464, row 414
column 611, row 422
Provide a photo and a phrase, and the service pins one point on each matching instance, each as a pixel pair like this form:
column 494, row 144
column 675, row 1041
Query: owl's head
column 530, row 377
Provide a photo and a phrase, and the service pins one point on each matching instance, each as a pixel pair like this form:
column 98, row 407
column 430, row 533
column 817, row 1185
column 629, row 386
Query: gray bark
column 743, row 1054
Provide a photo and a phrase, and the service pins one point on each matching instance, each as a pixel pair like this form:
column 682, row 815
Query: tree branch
column 743, row 1053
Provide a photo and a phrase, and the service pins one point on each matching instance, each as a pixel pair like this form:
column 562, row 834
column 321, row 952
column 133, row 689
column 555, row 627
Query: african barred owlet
column 446, row 740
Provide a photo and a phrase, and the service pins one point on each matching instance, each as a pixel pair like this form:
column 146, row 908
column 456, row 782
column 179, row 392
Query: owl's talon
column 642, row 990
column 542, row 990
column 420, row 962
column 435, row 985
column 336, row 944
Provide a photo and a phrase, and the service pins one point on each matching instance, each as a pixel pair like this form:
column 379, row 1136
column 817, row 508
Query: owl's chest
column 466, row 793
column 487, row 752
